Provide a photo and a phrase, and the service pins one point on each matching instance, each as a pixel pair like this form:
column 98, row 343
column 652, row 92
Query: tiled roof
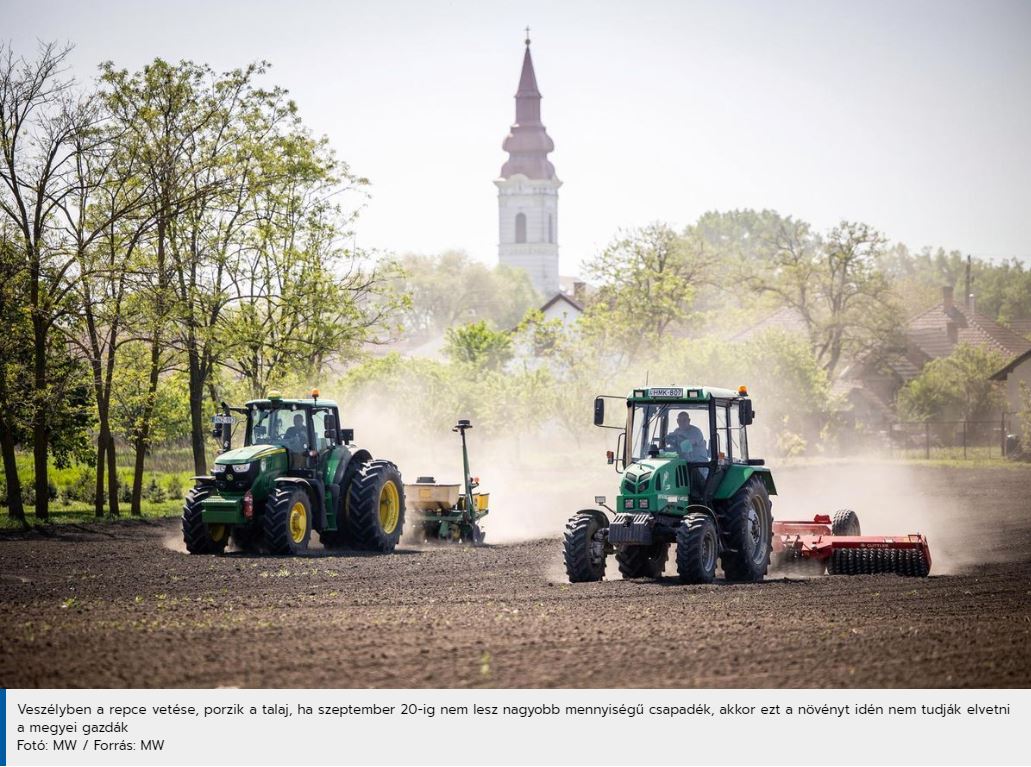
column 929, row 332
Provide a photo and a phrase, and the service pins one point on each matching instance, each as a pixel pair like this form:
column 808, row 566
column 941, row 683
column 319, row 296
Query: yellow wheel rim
column 217, row 532
column 389, row 507
column 298, row 522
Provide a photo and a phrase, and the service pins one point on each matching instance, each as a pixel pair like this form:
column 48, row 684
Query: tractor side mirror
column 599, row 411
column 347, row 435
column 330, row 427
column 746, row 414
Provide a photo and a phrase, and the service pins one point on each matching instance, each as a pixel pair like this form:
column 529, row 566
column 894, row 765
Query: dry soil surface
column 120, row 605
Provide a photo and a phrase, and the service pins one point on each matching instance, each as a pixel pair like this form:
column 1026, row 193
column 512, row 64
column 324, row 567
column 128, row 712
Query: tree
column 837, row 287
column 477, row 344
column 40, row 121
column 450, row 288
column 647, row 279
column 955, row 387
column 300, row 297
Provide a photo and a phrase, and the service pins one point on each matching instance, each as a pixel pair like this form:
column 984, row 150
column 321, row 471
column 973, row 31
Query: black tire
column 474, row 535
column 746, row 524
column 287, row 523
column 583, row 550
column 201, row 538
column 643, row 561
column 697, row 547
column 246, row 538
column 376, row 507
column 845, row 522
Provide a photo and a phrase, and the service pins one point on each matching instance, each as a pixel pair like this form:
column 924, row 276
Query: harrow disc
column 908, row 562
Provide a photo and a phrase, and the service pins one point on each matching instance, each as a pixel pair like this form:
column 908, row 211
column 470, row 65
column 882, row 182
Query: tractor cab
column 687, row 438
column 307, row 429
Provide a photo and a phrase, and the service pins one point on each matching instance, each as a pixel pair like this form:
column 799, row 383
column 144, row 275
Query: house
column 871, row 389
column 1015, row 375
column 562, row 307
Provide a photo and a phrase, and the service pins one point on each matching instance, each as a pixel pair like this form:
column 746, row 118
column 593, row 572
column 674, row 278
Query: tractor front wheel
column 584, row 549
column 200, row 537
column 697, row 546
column 376, row 506
column 287, row 520
column 746, row 523
column 643, row 561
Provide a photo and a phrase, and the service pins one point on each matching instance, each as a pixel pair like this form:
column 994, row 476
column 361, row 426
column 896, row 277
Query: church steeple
column 528, row 190
column 528, row 143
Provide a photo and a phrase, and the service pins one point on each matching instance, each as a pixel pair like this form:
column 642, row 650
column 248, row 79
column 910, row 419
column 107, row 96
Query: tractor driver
column 688, row 439
column 296, row 434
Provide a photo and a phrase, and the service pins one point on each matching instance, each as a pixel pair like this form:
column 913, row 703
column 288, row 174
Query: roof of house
column 1021, row 327
column 1003, row 373
column 562, row 297
column 929, row 331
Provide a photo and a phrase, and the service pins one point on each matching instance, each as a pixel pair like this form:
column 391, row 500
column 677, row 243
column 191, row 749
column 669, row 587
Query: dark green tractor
column 296, row 472
column 688, row 481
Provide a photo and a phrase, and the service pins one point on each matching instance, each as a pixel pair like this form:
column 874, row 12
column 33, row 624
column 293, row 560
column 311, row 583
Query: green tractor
column 296, row 472
column 688, row 480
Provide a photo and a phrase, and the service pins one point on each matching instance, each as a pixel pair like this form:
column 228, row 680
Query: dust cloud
column 536, row 482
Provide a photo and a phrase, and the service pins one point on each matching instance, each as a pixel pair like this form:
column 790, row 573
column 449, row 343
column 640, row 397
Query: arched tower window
column 520, row 227
column 551, row 229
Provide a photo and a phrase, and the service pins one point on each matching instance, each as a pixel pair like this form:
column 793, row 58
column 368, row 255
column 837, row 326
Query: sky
column 911, row 116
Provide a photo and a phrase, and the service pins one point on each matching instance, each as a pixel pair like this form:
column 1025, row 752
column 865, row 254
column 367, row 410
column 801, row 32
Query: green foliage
column 154, row 492
column 451, row 289
column 646, row 280
column 955, row 387
column 478, row 345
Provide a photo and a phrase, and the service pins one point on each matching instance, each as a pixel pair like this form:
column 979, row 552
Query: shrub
column 154, row 492
column 175, row 487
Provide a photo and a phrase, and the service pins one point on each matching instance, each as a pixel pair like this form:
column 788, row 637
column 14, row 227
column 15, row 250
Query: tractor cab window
column 723, row 433
column 319, row 419
column 673, row 428
column 738, row 437
column 278, row 426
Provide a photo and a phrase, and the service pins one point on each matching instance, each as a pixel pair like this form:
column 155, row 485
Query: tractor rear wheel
column 287, row 520
column 845, row 522
column 643, row 561
column 697, row 546
column 583, row 549
column 200, row 537
column 746, row 524
column 376, row 506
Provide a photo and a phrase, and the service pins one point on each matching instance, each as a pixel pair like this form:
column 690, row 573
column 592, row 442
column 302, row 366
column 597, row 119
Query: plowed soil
column 121, row 605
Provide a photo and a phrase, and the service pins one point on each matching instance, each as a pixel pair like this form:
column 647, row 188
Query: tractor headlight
column 643, row 503
column 241, row 468
column 218, row 468
column 628, row 503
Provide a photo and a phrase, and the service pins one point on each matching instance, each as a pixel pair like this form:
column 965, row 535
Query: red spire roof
column 528, row 143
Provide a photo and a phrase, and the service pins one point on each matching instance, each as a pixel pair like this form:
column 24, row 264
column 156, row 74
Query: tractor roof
column 677, row 393
column 286, row 403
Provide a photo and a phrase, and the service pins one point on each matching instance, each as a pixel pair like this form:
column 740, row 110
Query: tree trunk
column 99, row 488
column 14, row 502
column 143, row 435
column 40, row 432
column 112, row 476
column 197, row 434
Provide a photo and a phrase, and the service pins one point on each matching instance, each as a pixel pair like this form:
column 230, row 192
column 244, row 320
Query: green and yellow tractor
column 296, row 472
column 688, row 481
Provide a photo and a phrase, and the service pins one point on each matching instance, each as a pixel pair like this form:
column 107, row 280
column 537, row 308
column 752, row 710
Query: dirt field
column 121, row 605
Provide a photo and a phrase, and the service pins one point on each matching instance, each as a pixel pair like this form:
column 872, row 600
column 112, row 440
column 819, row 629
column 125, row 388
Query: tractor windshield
column 670, row 428
column 278, row 426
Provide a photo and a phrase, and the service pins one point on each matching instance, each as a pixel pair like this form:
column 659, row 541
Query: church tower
column 528, row 190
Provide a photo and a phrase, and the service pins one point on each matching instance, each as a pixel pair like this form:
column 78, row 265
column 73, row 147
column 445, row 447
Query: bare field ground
column 121, row 605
